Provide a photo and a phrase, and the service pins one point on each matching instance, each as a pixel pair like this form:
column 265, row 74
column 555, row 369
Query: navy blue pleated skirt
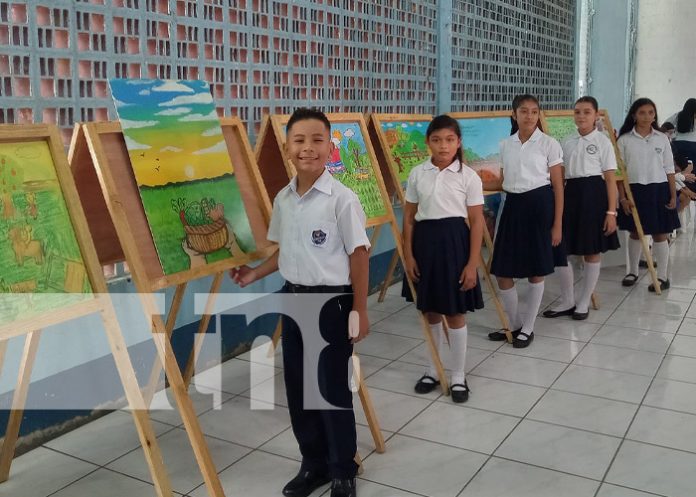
column 650, row 201
column 441, row 250
column 522, row 246
column 584, row 211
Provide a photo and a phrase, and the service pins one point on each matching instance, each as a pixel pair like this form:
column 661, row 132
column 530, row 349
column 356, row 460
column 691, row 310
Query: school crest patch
column 591, row 149
column 658, row 150
column 318, row 238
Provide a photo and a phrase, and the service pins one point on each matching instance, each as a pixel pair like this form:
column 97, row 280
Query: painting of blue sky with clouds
column 183, row 170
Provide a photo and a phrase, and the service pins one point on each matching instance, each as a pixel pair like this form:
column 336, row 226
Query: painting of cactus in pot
column 183, row 170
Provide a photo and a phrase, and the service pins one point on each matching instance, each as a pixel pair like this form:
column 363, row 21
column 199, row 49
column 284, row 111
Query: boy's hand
column 243, row 275
column 364, row 326
column 468, row 277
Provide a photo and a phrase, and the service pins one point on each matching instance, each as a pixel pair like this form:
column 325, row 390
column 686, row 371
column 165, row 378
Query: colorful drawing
column 186, row 179
column 406, row 141
column 481, row 137
column 38, row 235
column 560, row 127
column 351, row 165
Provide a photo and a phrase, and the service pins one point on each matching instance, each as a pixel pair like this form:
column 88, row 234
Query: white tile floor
column 600, row 408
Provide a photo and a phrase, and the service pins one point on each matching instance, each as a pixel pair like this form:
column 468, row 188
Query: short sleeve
column 555, row 153
column 608, row 155
column 411, row 187
column 501, row 146
column 667, row 156
column 474, row 191
column 274, row 226
column 351, row 225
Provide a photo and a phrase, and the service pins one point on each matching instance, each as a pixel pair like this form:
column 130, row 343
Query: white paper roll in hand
column 353, row 324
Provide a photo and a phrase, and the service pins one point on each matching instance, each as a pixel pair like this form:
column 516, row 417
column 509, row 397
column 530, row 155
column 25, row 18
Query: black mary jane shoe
column 629, row 280
column 343, row 487
column 580, row 316
column 664, row 285
column 461, row 394
column 499, row 336
column 305, row 483
column 521, row 344
column 423, row 386
column 558, row 314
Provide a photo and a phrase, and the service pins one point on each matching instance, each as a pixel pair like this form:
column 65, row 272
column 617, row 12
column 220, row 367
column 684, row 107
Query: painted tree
column 11, row 179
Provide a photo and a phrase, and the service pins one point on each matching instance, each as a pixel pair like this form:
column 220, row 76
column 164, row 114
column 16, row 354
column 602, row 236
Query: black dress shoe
column 426, row 384
column 499, row 336
column 580, row 316
column 461, row 394
column 521, row 344
column 557, row 314
column 305, row 483
column 664, row 285
column 343, row 487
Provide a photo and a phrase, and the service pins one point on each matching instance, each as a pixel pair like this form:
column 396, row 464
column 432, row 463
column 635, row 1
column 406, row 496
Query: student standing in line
column 649, row 164
column 531, row 224
column 441, row 251
column 589, row 208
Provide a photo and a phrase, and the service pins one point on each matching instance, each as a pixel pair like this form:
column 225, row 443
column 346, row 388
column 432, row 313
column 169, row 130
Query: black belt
column 293, row 288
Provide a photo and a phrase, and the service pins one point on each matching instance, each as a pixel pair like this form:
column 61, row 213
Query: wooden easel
column 622, row 175
column 270, row 154
column 100, row 162
column 389, row 165
column 97, row 302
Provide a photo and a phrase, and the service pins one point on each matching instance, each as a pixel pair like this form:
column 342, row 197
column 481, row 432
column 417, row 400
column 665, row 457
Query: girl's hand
column 672, row 203
column 609, row 224
column 412, row 269
column 627, row 206
column 556, row 235
column 690, row 177
column 243, row 275
column 468, row 278
column 364, row 326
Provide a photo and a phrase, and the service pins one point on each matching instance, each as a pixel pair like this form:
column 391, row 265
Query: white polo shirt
column 317, row 232
column 648, row 160
column 446, row 193
column 589, row 155
column 526, row 165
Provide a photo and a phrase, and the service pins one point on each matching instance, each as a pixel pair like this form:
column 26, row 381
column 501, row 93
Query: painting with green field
column 184, row 172
column 41, row 266
column 560, row 127
column 406, row 142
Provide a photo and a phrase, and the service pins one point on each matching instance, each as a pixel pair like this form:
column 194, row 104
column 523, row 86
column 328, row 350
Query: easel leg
column 275, row 339
column 595, row 302
column 203, row 326
column 388, row 277
column 369, row 410
column 496, row 301
column 19, row 400
column 3, row 350
column 141, row 418
column 151, row 386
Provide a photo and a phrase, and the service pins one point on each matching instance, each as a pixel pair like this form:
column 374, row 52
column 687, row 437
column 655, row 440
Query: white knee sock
column 536, row 293
column 565, row 273
column 661, row 251
column 634, row 248
column 510, row 303
column 591, row 275
column 437, row 334
column 458, row 339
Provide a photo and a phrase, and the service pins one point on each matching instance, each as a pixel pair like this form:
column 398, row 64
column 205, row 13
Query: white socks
column 634, row 248
column 458, row 339
column 591, row 275
column 536, row 293
column 438, row 335
column 565, row 273
column 661, row 252
column 510, row 303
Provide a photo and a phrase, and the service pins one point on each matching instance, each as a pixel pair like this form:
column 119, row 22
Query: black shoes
column 499, row 336
column 664, row 285
column 521, row 344
column 629, row 280
column 343, row 487
column 580, row 316
column 557, row 314
column 423, row 386
column 307, row 482
column 461, row 394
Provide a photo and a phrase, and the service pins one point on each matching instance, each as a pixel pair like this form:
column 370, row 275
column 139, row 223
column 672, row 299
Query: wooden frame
column 623, row 176
column 270, row 154
column 98, row 156
column 100, row 303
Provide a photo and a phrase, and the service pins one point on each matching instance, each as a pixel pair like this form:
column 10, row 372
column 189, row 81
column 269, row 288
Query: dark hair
column 588, row 100
column 630, row 121
column 303, row 114
column 681, row 161
column 446, row 122
column 516, row 102
column 686, row 116
column 666, row 126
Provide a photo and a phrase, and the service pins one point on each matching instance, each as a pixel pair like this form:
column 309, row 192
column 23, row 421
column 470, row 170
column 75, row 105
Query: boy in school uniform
column 319, row 226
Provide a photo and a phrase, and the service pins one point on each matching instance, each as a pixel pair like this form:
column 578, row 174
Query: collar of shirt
column 589, row 136
column 535, row 136
column 322, row 183
column 456, row 166
column 653, row 132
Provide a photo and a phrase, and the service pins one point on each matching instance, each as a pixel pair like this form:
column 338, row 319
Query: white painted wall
column 665, row 64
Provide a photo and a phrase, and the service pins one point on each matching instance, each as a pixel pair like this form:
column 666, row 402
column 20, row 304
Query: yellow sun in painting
column 189, row 171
